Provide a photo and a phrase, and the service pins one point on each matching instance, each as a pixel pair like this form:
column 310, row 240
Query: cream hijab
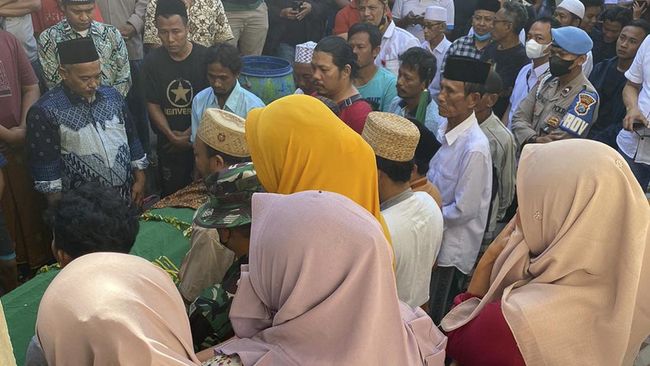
column 574, row 279
column 319, row 290
column 6, row 350
column 114, row 309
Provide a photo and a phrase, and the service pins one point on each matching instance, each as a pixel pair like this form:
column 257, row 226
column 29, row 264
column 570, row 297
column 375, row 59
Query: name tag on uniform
column 580, row 114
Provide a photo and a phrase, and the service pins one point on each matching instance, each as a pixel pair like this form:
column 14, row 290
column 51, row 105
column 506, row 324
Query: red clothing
column 51, row 14
column 345, row 18
column 486, row 340
column 15, row 72
column 355, row 115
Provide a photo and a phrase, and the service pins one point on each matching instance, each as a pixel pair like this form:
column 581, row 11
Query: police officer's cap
column 573, row 40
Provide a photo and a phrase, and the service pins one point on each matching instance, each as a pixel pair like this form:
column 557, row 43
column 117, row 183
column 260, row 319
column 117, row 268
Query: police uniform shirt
column 569, row 110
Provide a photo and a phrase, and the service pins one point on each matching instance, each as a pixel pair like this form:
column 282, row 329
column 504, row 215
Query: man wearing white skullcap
column 435, row 41
column 570, row 12
column 409, row 14
column 302, row 71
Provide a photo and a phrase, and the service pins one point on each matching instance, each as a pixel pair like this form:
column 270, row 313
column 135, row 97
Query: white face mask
column 535, row 50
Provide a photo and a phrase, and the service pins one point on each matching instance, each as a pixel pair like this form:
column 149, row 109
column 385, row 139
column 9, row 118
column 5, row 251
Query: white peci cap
column 574, row 7
column 435, row 13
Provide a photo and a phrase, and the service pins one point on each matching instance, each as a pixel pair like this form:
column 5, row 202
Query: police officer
column 564, row 104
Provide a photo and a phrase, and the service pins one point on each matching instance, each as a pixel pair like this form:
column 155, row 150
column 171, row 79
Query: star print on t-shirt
column 180, row 93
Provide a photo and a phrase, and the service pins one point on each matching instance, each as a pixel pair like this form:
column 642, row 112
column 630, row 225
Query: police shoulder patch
column 580, row 114
column 584, row 102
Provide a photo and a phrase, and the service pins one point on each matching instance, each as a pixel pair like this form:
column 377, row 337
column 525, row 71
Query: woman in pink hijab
column 319, row 290
column 568, row 281
column 107, row 309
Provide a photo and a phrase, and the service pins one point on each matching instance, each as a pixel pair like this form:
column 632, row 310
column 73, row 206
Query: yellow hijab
column 297, row 144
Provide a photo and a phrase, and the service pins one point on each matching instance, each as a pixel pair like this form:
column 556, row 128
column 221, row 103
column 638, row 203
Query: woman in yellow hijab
column 298, row 144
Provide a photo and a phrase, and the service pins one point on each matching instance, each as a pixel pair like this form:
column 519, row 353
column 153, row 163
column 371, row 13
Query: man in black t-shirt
column 507, row 52
column 173, row 75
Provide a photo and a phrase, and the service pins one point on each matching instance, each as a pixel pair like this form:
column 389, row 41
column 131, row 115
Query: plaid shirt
column 463, row 46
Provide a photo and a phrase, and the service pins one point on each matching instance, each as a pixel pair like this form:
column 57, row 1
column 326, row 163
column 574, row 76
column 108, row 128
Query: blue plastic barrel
column 269, row 78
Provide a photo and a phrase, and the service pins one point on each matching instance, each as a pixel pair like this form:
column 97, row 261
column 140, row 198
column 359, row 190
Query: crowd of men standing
column 116, row 91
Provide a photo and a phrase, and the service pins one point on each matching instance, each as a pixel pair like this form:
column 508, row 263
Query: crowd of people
column 452, row 181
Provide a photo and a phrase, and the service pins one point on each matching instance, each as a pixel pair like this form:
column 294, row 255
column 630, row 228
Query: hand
column 499, row 243
column 289, row 13
column 634, row 116
column 480, row 283
column 543, row 139
column 179, row 141
column 556, row 135
column 638, row 9
column 411, row 19
column 127, row 30
column 5, row 148
column 305, row 9
column 137, row 192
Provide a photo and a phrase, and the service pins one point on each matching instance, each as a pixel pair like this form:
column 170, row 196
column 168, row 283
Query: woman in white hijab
column 568, row 281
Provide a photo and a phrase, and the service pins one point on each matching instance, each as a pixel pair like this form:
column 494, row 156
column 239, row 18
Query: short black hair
column 417, row 58
column 473, row 88
column 93, row 218
column 169, row 8
column 374, row 34
column 548, row 20
column 227, row 158
column 593, row 3
column 225, row 54
column 341, row 52
column 516, row 14
column 617, row 14
column 493, row 84
column 397, row 171
column 640, row 23
column 427, row 147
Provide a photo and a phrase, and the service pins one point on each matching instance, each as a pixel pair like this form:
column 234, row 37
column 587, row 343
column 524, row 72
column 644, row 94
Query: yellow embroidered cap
column 224, row 132
column 391, row 137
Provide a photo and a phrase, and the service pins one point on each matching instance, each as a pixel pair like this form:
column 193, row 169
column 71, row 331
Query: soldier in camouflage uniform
column 220, row 143
column 228, row 211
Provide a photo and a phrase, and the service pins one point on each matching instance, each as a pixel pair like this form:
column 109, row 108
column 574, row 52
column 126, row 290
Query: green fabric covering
column 155, row 239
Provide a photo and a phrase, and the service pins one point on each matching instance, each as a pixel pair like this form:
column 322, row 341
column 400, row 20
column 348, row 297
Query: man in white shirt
column 414, row 219
column 572, row 13
column 538, row 50
column 634, row 140
column 462, row 170
column 408, row 14
column 436, row 42
column 394, row 40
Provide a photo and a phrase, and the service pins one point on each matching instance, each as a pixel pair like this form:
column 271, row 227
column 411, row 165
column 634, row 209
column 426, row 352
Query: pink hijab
column 574, row 279
column 107, row 309
column 319, row 290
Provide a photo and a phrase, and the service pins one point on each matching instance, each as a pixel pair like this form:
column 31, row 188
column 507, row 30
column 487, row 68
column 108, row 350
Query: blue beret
column 573, row 40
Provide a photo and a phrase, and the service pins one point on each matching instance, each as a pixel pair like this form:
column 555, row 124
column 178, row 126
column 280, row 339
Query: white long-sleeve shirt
column 393, row 43
column 462, row 170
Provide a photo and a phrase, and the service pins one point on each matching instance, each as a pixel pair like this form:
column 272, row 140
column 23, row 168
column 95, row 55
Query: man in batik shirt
column 79, row 23
column 80, row 131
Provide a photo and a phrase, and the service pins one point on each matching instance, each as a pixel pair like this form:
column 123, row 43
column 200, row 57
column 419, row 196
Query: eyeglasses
column 501, row 21
column 432, row 25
